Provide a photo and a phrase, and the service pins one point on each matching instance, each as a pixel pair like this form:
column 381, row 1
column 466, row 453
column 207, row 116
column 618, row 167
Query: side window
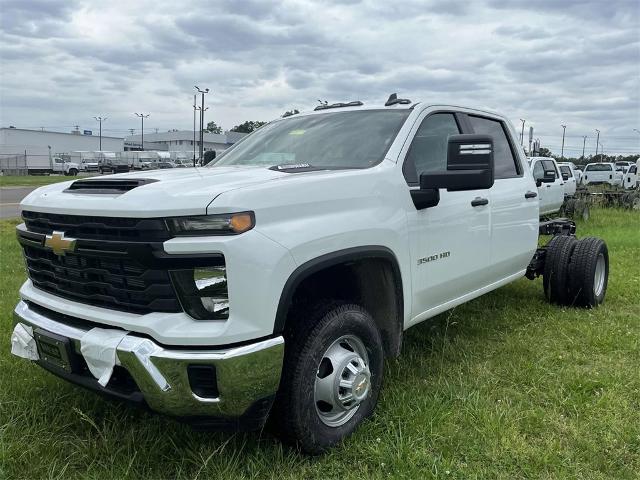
column 632, row 169
column 538, row 171
column 504, row 161
column 428, row 150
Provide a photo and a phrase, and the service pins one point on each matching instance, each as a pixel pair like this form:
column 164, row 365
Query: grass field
column 505, row 386
column 32, row 180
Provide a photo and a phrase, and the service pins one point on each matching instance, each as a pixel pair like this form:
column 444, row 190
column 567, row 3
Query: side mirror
column 469, row 167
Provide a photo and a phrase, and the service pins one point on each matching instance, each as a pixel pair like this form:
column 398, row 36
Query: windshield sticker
column 297, row 132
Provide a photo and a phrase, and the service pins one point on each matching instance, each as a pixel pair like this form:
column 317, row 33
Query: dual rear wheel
column 576, row 272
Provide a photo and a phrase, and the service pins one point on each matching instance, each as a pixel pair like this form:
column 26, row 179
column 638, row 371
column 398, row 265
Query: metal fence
column 13, row 164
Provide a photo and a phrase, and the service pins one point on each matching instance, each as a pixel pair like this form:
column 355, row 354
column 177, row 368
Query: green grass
column 32, row 180
column 505, row 386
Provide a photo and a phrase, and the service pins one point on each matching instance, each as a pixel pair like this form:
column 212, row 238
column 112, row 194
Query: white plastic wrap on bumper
column 23, row 344
column 98, row 347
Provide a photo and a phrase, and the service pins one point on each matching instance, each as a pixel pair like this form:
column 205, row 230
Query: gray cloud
column 572, row 62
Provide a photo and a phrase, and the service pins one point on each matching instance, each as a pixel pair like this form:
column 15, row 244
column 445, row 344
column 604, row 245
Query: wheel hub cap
column 342, row 381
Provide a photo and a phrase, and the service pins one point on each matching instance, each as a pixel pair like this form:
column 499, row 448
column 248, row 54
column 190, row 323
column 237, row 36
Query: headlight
column 203, row 292
column 224, row 224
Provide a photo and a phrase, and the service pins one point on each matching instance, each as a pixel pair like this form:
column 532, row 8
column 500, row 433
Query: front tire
column 332, row 376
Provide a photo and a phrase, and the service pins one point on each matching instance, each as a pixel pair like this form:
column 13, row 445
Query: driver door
column 449, row 243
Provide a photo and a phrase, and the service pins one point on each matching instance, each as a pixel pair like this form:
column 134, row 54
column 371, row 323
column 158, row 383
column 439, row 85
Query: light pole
column 564, row 129
column 142, row 117
column 597, row 142
column 100, row 120
column 522, row 132
column 202, row 92
column 195, row 107
column 601, row 152
column 584, row 141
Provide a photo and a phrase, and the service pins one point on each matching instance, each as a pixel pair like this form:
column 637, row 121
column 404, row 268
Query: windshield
column 357, row 139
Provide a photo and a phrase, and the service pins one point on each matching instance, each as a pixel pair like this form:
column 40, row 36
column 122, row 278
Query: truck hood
column 173, row 192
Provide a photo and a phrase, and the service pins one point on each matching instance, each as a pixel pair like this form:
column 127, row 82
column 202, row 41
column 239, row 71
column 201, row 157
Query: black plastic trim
column 329, row 260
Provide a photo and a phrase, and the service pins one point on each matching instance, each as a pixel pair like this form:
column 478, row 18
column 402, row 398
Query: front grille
column 118, row 283
column 118, row 263
column 98, row 228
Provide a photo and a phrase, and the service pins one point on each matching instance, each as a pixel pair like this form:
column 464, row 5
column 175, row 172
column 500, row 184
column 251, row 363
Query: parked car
column 550, row 184
column 569, row 176
column 599, row 173
column 163, row 165
column 223, row 294
column 113, row 165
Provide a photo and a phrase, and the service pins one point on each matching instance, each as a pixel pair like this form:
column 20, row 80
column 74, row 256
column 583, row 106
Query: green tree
column 288, row 113
column 248, row 126
column 544, row 152
column 213, row 128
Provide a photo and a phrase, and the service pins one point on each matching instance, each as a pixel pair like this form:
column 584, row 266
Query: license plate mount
column 54, row 350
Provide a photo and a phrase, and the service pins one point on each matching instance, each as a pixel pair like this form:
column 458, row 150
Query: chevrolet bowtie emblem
column 59, row 244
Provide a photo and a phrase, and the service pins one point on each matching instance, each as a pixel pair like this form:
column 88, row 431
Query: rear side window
column 504, row 160
column 428, row 150
column 632, row 169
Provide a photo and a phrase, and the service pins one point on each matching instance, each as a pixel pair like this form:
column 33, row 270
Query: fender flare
column 329, row 260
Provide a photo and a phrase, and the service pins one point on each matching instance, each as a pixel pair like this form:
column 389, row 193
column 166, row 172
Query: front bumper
column 247, row 376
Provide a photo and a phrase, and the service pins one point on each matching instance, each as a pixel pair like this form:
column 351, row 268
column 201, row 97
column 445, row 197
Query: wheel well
column 369, row 279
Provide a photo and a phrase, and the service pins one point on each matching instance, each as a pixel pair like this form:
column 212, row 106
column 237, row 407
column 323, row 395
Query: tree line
column 246, row 127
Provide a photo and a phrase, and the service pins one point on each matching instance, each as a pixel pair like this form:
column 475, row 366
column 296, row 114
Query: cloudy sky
column 550, row 62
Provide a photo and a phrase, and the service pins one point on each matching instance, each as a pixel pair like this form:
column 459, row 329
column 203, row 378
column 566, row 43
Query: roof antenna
column 393, row 99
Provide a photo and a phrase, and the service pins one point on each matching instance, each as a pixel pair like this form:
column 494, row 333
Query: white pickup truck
column 601, row 173
column 225, row 294
column 550, row 183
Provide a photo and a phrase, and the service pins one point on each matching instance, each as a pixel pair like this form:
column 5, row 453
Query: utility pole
column 142, row 117
column 131, row 130
column 202, row 92
column 564, row 129
column 522, row 132
column 100, row 120
column 584, row 141
column 597, row 142
column 195, row 107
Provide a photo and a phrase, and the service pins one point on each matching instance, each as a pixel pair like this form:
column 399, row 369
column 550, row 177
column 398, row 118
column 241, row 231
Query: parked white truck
column 227, row 293
column 551, row 192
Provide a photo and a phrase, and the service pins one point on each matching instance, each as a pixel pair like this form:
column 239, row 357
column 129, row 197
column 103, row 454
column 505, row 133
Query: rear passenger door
column 514, row 206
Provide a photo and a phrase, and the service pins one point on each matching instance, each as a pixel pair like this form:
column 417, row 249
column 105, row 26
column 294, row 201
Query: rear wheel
column 331, row 377
column 589, row 272
column 556, row 268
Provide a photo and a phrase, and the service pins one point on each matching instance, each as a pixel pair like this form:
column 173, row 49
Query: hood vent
column 109, row 187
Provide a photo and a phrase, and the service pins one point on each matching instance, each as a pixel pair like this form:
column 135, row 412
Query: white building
column 16, row 141
column 182, row 141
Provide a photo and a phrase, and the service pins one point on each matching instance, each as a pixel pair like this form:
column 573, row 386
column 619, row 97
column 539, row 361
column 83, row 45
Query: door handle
column 531, row 194
column 548, row 186
column 477, row 202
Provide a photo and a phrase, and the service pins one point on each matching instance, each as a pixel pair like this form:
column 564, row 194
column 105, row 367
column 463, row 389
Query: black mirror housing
column 549, row 176
column 469, row 165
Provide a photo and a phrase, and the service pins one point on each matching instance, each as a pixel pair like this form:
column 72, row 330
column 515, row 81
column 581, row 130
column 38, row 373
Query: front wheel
column 332, row 376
